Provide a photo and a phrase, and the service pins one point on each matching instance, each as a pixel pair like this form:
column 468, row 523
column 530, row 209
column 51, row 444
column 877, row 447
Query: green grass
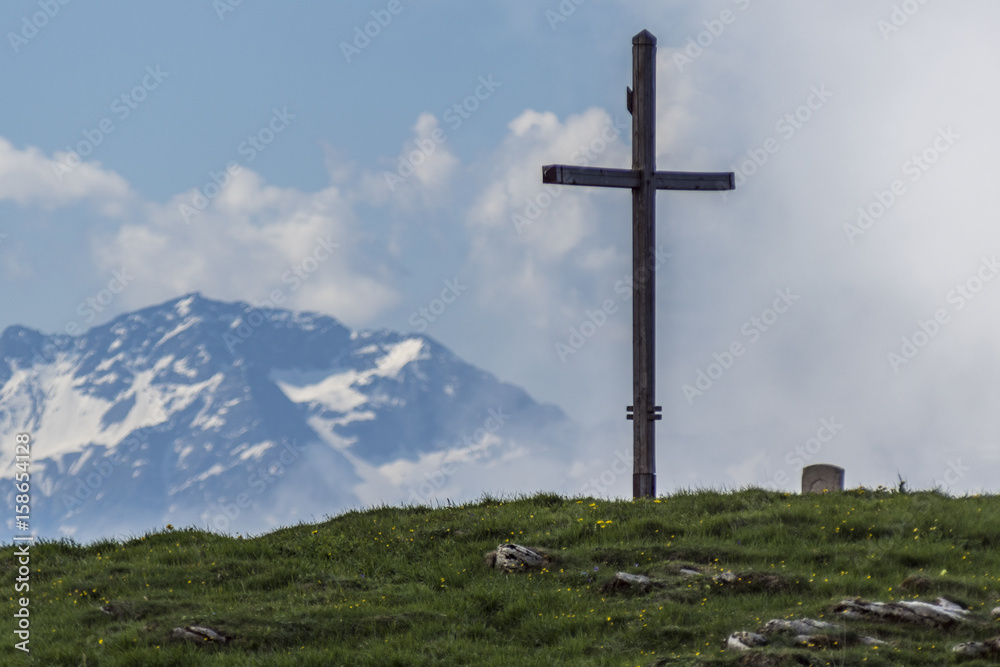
column 409, row 586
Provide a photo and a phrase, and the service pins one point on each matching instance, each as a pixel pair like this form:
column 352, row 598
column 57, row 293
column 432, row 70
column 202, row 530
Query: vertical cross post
column 644, row 286
column 644, row 181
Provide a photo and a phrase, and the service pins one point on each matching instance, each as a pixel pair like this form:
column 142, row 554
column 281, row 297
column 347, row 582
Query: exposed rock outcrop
column 744, row 641
column 623, row 581
column 939, row 614
column 990, row 647
column 199, row 634
column 511, row 557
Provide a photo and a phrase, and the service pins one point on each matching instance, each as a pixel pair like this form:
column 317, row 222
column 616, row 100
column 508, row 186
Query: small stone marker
column 822, row 477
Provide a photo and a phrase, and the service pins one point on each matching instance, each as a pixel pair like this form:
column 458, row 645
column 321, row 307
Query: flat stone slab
column 808, row 631
column 801, row 626
column 199, row 634
column 624, row 581
column 640, row 580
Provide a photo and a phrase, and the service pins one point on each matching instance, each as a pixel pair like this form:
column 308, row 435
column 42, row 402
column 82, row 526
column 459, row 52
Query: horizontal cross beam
column 628, row 178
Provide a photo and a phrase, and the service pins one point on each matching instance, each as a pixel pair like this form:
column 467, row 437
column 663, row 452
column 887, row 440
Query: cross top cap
column 644, row 37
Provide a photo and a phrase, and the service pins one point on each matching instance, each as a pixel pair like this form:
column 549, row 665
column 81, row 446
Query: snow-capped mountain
column 238, row 419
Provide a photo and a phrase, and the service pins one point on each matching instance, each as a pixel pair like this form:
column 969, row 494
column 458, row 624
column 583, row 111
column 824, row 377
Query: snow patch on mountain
column 180, row 328
column 399, row 355
column 334, row 392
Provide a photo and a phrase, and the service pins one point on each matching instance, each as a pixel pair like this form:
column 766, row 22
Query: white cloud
column 251, row 240
column 30, row 178
column 419, row 177
column 531, row 242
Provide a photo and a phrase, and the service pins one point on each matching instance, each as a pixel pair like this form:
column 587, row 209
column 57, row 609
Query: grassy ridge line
column 408, row 586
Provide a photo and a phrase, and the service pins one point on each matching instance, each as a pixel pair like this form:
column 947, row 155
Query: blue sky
column 863, row 134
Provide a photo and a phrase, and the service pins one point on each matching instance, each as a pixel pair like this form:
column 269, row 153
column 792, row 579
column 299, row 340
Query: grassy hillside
column 409, row 586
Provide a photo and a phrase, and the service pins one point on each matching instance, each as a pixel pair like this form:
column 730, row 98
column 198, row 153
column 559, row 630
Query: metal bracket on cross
column 653, row 416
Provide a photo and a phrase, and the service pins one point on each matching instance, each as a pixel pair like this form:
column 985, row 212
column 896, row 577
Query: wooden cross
column 644, row 181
